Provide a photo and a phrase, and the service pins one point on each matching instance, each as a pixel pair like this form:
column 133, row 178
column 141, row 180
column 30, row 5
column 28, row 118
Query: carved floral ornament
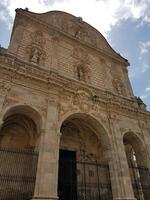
column 35, row 51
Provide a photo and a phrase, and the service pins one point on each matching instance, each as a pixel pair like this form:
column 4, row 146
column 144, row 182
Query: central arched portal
column 83, row 160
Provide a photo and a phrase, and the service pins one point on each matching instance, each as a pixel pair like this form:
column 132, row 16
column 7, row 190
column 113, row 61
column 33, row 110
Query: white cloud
column 144, row 47
column 132, row 74
column 102, row 14
column 147, row 89
column 143, row 97
column 144, row 68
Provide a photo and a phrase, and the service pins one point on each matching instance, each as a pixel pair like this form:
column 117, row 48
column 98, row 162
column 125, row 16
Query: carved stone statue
column 35, row 51
column 35, row 55
column 80, row 73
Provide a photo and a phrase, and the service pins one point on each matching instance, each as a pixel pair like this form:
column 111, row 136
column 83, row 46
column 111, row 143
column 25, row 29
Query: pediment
column 76, row 28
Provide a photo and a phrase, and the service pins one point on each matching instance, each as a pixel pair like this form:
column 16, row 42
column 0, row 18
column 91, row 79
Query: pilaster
column 47, row 173
column 119, row 171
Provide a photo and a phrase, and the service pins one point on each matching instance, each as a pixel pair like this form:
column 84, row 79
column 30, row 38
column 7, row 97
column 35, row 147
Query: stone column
column 47, row 173
column 119, row 171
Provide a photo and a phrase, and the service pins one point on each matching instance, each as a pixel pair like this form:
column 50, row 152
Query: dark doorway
column 67, row 184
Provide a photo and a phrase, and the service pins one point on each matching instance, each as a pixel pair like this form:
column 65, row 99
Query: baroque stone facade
column 64, row 89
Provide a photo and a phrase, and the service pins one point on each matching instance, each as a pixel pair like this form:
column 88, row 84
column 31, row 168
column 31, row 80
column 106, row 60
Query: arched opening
column 19, row 139
column 138, row 166
column 83, row 160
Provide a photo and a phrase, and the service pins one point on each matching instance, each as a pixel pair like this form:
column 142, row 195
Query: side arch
column 138, row 162
column 26, row 110
column 138, row 145
column 19, row 142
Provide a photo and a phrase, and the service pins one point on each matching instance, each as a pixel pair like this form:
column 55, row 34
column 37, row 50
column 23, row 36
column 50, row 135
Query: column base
column 44, row 198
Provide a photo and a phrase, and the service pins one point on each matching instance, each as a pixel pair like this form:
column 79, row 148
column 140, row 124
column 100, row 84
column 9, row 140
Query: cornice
column 46, row 80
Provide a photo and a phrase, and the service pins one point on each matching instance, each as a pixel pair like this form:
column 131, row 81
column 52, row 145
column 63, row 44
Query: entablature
column 19, row 72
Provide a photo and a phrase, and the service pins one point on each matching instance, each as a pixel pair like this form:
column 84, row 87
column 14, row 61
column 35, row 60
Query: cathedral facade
column 71, row 127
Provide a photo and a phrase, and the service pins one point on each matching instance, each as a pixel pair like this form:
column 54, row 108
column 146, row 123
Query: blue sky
column 124, row 23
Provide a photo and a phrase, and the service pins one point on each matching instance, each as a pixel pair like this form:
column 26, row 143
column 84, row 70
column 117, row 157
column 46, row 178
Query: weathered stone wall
column 51, row 48
column 50, row 75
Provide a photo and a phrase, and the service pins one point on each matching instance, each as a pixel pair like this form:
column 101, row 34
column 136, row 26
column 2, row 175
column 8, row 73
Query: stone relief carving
column 80, row 53
column 35, row 55
column 119, row 86
column 35, row 50
column 38, row 38
column 84, row 156
column 79, row 101
column 117, row 79
column 77, row 29
column 82, row 100
column 4, row 87
column 82, row 72
column 80, row 33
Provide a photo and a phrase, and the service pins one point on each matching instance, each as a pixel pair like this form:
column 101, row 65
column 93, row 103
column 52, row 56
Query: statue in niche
column 80, row 33
column 80, row 73
column 35, row 55
column 35, row 51
column 78, row 29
